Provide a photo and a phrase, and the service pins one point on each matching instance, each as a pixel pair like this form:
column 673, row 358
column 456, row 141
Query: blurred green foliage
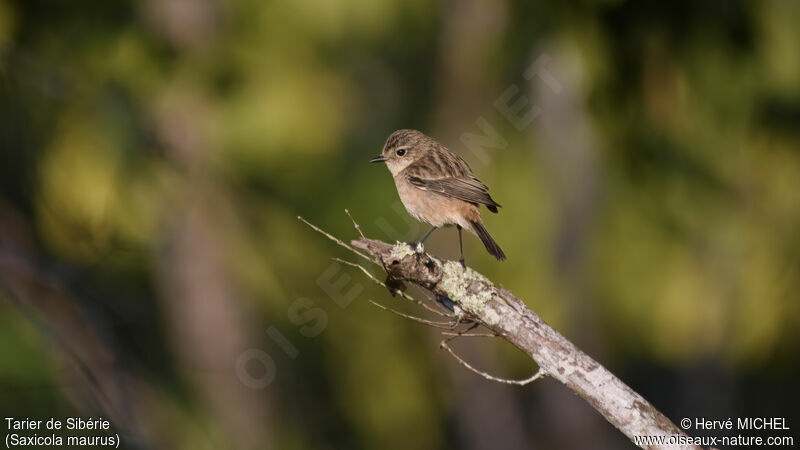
column 119, row 118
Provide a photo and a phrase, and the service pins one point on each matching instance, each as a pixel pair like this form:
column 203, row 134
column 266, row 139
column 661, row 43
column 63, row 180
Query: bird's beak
column 378, row 159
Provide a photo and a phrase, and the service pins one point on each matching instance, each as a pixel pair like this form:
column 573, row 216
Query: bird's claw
column 418, row 247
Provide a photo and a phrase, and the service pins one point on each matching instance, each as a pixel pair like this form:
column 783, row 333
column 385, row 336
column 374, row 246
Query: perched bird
column 437, row 186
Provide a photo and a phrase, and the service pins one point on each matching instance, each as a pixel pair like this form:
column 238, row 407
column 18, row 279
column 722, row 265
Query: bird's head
column 402, row 148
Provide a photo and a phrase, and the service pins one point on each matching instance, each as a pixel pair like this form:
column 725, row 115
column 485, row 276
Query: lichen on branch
column 457, row 283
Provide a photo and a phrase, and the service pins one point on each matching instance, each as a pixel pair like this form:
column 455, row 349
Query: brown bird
column 437, row 186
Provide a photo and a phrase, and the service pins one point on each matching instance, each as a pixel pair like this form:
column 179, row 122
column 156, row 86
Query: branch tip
column 335, row 239
column 355, row 224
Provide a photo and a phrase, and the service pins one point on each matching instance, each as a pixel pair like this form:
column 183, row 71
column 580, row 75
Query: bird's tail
column 488, row 242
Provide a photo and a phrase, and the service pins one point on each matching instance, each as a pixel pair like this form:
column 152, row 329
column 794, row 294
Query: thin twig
column 337, row 240
column 355, row 224
column 465, row 334
column 445, row 325
column 539, row 373
column 381, row 283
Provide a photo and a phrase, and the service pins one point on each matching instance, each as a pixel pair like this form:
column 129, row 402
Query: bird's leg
column 426, row 236
column 461, row 247
column 416, row 245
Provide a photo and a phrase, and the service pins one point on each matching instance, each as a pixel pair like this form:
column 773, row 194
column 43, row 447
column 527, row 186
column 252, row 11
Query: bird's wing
column 472, row 191
column 467, row 188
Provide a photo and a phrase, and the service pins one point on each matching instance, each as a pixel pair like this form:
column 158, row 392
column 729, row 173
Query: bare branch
column 446, row 325
column 487, row 335
column 475, row 297
column 462, row 332
column 337, row 240
column 355, row 224
column 539, row 373
column 466, row 333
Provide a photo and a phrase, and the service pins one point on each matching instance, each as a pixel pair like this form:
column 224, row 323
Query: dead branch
column 476, row 298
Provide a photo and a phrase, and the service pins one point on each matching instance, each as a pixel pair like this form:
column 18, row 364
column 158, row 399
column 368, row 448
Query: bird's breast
column 431, row 207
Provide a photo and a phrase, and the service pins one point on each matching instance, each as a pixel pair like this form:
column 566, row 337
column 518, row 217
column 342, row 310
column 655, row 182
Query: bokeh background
column 155, row 155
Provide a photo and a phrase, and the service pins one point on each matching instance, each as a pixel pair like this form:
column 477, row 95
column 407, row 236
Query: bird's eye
column 401, row 152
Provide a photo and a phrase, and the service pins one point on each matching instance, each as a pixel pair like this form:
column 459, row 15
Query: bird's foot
column 416, row 246
column 463, row 265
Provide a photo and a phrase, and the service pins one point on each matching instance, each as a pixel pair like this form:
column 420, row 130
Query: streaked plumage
column 437, row 186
